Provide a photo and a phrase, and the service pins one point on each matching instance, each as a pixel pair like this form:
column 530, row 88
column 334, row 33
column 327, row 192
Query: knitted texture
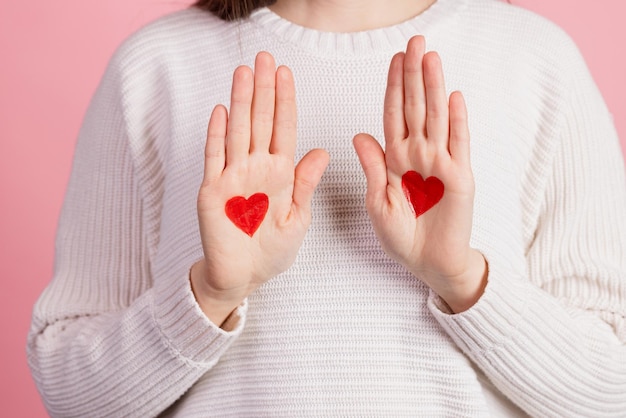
column 345, row 331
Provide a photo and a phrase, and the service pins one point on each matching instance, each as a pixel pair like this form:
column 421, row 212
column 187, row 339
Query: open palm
column 427, row 134
column 251, row 151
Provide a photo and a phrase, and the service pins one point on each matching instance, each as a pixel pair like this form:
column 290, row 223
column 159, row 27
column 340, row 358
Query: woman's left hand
column 425, row 134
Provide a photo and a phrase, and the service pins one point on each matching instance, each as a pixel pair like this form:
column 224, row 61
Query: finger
column 238, row 129
column 214, row 151
column 414, row 92
column 372, row 159
column 459, row 129
column 263, row 102
column 308, row 174
column 393, row 116
column 437, row 118
column 284, row 135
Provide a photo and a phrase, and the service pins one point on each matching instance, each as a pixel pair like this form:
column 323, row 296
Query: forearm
column 109, row 364
column 549, row 359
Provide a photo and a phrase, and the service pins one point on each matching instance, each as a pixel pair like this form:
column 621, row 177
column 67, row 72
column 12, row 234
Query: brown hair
column 235, row 9
column 231, row 9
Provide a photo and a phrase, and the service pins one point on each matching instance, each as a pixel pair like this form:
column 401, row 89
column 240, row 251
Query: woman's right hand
column 247, row 152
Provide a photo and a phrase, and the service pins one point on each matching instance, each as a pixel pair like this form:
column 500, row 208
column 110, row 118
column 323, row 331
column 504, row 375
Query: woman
column 438, row 284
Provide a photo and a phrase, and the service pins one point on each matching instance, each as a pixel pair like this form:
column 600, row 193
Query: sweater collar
column 383, row 40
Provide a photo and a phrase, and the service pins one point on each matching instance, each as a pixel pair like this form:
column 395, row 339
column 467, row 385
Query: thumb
column 372, row 160
column 308, row 174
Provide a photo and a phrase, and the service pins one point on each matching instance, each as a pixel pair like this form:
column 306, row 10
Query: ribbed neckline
column 382, row 40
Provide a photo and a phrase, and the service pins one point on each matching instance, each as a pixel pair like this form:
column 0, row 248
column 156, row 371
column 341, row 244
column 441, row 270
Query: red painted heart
column 247, row 214
column 421, row 194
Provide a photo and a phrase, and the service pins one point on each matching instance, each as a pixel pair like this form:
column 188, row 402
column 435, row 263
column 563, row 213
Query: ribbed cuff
column 184, row 326
column 493, row 320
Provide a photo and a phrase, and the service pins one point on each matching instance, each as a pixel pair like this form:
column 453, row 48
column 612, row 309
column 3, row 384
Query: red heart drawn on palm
column 247, row 214
column 421, row 194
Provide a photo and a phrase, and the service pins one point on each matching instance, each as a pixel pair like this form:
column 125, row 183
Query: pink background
column 54, row 53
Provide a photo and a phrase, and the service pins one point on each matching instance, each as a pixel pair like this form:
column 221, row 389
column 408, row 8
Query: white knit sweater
column 345, row 331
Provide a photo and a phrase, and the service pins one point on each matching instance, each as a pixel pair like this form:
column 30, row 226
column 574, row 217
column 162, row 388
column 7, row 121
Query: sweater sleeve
column 106, row 338
column 553, row 338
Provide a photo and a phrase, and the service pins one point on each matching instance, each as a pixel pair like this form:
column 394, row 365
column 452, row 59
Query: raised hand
column 253, row 204
column 427, row 138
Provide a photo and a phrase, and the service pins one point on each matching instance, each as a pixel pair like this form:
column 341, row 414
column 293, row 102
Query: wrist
column 217, row 309
column 463, row 291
